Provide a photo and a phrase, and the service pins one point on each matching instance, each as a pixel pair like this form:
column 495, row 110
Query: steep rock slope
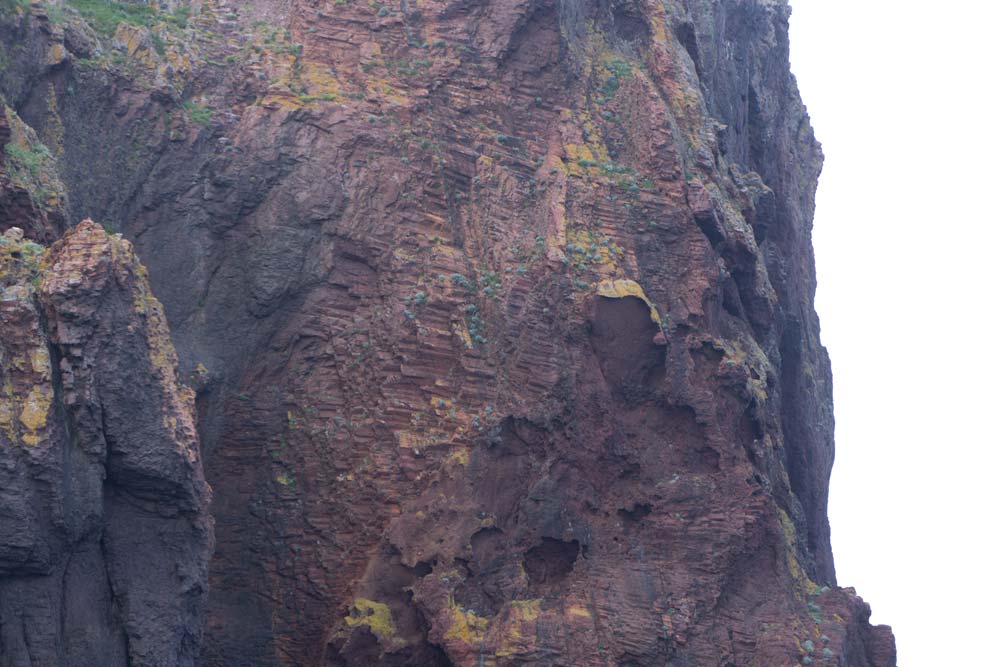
column 105, row 537
column 500, row 315
column 31, row 194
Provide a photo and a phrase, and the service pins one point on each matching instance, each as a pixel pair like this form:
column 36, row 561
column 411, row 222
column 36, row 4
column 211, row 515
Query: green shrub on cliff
column 56, row 13
column 105, row 15
column 198, row 114
column 27, row 167
column 26, row 162
column 11, row 5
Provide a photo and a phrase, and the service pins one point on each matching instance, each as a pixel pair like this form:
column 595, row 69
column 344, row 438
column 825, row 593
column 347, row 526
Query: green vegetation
column 27, row 169
column 105, row 15
column 27, row 162
column 12, row 5
column 815, row 611
column 158, row 44
column 181, row 16
column 418, row 299
column 490, row 283
column 475, row 324
column 198, row 114
column 56, row 13
column 619, row 69
column 459, row 280
column 406, row 67
column 32, row 249
column 611, row 169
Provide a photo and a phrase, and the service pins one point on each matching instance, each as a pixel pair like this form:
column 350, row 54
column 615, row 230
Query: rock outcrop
column 105, row 534
column 32, row 196
column 499, row 313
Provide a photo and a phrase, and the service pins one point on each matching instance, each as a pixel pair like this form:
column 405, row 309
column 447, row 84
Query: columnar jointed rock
column 105, row 533
column 501, row 315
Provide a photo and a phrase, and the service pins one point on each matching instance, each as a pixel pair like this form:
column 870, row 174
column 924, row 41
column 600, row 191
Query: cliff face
column 500, row 317
column 106, row 536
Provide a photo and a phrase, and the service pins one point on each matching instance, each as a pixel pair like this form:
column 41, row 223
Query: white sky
column 905, row 97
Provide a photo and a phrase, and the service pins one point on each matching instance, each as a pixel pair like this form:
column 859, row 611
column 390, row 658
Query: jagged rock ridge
column 500, row 316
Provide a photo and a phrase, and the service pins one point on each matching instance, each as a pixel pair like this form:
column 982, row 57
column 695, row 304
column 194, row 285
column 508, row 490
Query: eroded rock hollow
column 497, row 319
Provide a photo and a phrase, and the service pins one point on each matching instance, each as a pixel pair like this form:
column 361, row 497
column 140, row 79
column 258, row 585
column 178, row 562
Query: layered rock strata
column 500, row 316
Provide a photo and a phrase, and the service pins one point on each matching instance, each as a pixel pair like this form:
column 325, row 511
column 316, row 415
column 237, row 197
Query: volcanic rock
column 501, row 320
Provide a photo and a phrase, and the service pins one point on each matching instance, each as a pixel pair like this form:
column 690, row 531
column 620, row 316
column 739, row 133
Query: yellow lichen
column 40, row 361
column 408, row 440
column 525, row 610
column 659, row 31
column 584, row 159
column 804, row 583
column 53, row 130
column 57, row 54
column 376, row 615
column 594, row 251
column 460, row 329
column 6, row 414
column 465, row 626
column 754, row 361
column 514, row 639
column 460, row 456
column 621, row 288
column 36, row 408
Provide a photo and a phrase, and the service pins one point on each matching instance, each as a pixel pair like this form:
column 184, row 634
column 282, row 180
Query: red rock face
column 500, row 316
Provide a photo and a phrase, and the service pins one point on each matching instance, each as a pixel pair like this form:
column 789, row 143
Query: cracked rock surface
column 499, row 322
column 105, row 533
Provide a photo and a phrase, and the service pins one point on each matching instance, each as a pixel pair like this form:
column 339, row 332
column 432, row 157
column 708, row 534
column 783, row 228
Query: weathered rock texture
column 500, row 315
column 105, row 533
column 31, row 193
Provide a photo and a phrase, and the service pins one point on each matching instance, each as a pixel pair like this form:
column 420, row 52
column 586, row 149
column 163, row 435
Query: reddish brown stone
column 501, row 319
